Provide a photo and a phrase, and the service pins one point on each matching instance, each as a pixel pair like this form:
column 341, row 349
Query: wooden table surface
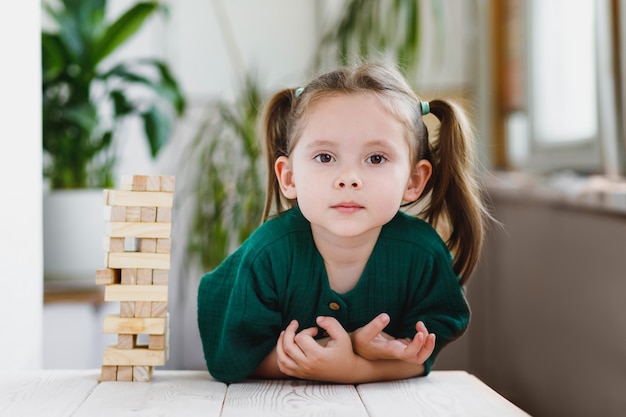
column 78, row 393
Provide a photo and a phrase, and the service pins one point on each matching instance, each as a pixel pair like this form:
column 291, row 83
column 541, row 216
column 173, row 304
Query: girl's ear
column 421, row 174
column 282, row 167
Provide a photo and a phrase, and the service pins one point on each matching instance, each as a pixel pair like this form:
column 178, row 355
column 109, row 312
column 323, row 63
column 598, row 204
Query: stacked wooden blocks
column 137, row 244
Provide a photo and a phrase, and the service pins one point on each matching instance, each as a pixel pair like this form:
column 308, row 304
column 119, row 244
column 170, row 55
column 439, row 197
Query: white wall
column 213, row 43
column 21, row 257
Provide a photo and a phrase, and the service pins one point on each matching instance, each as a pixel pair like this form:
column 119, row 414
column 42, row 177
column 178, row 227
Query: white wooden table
column 77, row 393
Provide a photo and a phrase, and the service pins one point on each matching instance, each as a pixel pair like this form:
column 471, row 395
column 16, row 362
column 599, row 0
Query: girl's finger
column 421, row 327
column 373, row 328
column 305, row 340
column 289, row 345
column 285, row 363
column 412, row 349
column 427, row 349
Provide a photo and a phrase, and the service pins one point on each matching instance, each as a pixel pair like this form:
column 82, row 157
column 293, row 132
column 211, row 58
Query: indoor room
column 102, row 98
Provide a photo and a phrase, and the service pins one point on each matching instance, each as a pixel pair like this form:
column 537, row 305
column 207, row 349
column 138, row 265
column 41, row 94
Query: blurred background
column 95, row 89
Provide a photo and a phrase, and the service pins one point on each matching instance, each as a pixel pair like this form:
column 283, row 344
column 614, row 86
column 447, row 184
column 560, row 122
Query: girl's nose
column 350, row 180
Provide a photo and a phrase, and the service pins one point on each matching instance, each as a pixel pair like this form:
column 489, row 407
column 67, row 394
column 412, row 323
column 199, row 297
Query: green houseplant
column 227, row 185
column 373, row 29
column 227, row 178
column 84, row 101
column 86, row 96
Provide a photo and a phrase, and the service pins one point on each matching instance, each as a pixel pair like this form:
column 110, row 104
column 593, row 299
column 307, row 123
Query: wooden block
column 133, row 214
column 140, row 356
column 114, row 213
column 140, row 183
column 147, row 245
column 138, row 229
column 142, row 373
column 148, row 214
column 108, row 373
column 156, row 342
column 113, row 244
column 144, row 276
column 143, row 309
column 138, row 199
column 167, row 183
column 138, row 260
column 159, row 309
column 105, row 197
column 160, row 277
column 125, row 373
column 135, row 293
column 127, row 309
column 129, row 276
column 133, row 182
column 114, row 323
column 153, row 183
column 163, row 245
column 164, row 215
column 107, row 276
column 126, row 341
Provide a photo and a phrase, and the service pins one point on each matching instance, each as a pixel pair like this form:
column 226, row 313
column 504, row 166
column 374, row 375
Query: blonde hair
column 451, row 199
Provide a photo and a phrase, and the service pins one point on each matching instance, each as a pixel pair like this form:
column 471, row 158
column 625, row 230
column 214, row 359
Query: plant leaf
column 170, row 85
column 122, row 29
column 121, row 105
column 157, row 127
column 165, row 86
column 53, row 56
column 68, row 32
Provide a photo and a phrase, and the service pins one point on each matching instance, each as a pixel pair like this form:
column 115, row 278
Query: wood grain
column 292, row 398
column 119, row 292
column 138, row 229
column 44, row 393
column 138, row 199
column 443, row 393
column 140, row 356
column 194, row 393
column 138, row 260
column 113, row 323
column 169, row 393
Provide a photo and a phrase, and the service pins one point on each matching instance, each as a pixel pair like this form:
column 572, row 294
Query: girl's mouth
column 347, row 207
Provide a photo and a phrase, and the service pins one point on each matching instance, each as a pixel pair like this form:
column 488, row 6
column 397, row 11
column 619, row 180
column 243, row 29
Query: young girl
column 339, row 284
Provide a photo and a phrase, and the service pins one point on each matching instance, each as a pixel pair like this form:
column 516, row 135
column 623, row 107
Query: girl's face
column 350, row 169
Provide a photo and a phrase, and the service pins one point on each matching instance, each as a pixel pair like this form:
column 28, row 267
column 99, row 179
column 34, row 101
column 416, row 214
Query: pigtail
column 455, row 196
column 276, row 125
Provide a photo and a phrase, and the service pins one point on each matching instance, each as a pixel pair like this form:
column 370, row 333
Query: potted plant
column 226, row 178
column 85, row 99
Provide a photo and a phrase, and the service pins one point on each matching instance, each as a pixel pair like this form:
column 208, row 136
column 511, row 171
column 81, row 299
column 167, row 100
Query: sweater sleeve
column 438, row 300
column 238, row 317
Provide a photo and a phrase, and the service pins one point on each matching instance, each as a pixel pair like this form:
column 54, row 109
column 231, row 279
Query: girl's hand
column 300, row 355
column 370, row 342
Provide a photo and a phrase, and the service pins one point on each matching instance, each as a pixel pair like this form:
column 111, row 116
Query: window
column 561, row 98
column 563, row 91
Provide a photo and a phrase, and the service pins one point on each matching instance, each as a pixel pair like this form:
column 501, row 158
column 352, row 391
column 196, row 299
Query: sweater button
column 334, row 306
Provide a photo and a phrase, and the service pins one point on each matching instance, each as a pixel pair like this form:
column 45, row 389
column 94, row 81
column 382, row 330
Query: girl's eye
column 324, row 158
column 376, row 159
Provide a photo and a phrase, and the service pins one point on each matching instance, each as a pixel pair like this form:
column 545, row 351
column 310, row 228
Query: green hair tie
column 299, row 91
column 425, row 107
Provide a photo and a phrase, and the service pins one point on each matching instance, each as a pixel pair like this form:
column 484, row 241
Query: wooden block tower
column 137, row 244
